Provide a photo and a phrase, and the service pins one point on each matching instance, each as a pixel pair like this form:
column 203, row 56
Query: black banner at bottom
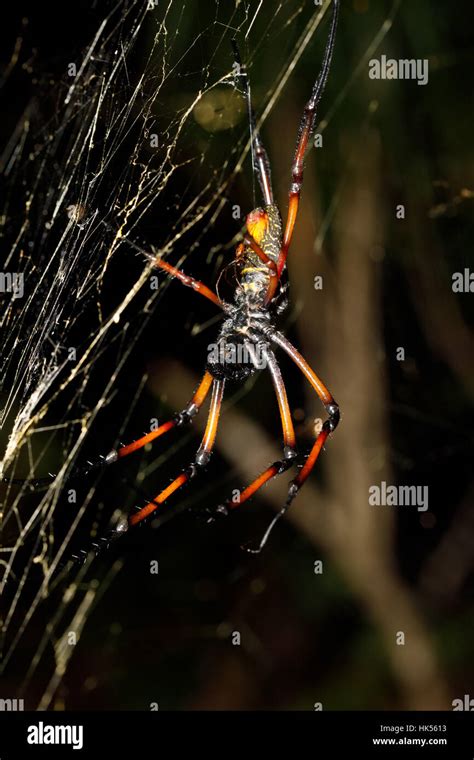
column 375, row 734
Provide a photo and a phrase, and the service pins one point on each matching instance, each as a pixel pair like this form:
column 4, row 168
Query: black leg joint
column 289, row 452
column 216, row 513
column 334, row 416
column 186, row 415
column 283, row 465
column 191, row 470
column 202, row 458
column 292, row 491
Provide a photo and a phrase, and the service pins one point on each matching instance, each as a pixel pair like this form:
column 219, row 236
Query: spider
column 248, row 336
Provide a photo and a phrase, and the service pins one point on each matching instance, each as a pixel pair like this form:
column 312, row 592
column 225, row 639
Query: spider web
column 94, row 162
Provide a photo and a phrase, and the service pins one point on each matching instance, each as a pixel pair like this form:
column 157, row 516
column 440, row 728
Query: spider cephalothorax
column 236, row 355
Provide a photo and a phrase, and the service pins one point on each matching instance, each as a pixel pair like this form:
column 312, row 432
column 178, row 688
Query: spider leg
column 323, row 393
column 328, row 427
column 289, row 438
column 178, row 419
column 277, row 468
column 289, row 450
column 201, row 459
column 296, row 484
column 304, row 135
column 190, row 282
column 260, row 162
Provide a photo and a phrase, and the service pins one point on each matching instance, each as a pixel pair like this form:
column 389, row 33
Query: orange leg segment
column 254, row 486
column 190, row 282
column 279, row 467
column 323, row 393
column 289, row 438
column 113, row 456
column 201, row 459
column 192, row 409
column 305, row 133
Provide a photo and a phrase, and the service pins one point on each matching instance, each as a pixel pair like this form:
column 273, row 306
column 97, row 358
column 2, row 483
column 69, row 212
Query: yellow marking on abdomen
column 254, row 269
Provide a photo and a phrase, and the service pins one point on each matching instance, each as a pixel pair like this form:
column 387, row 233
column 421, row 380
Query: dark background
column 304, row 637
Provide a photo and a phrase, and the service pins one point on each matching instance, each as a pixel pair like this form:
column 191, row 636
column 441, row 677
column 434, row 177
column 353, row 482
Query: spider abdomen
column 264, row 225
column 264, row 231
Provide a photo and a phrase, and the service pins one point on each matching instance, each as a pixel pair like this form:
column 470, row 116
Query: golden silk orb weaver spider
column 248, row 334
